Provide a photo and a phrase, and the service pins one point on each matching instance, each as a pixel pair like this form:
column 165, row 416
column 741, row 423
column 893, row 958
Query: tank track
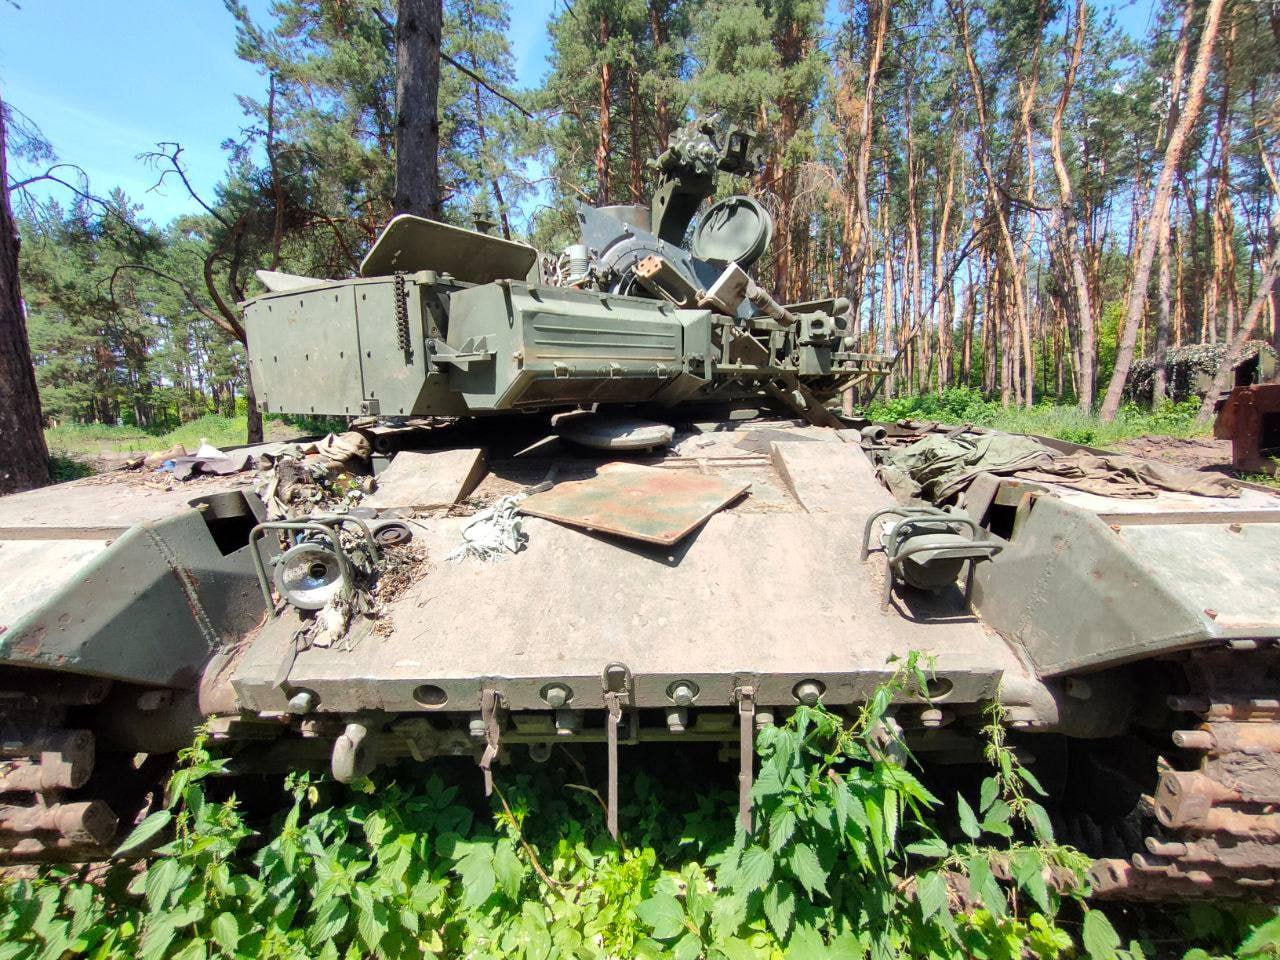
column 1217, row 830
column 45, row 762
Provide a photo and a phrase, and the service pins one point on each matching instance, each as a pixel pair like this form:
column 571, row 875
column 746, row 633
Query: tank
column 634, row 514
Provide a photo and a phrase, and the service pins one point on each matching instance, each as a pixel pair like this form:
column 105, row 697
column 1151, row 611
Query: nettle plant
column 846, row 860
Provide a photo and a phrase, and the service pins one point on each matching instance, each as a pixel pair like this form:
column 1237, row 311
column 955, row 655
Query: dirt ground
column 1197, row 453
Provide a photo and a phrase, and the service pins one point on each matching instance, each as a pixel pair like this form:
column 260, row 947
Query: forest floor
column 1173, row 435
column 80, row 450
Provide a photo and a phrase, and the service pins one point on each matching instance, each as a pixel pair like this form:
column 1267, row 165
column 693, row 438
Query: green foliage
column 848, row 858
column 73, row 441
column 1048, row 419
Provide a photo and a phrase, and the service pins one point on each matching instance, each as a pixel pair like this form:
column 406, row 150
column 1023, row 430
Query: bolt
column 475, row 726
column 557, row 695
column 809, row 692
column 302, row 702
column 682, row 693
column 1235, row 527
column 764, row 718
column 677, row 719
column 932, row 717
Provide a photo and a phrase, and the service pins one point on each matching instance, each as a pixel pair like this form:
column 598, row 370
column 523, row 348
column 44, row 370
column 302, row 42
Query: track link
column 44, row 762
column 1217, row 830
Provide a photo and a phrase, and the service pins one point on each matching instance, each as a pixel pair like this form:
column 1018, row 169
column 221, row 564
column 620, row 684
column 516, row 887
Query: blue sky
column 106, row 81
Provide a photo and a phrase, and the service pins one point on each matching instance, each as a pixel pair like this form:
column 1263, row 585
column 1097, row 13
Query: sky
column 107, row 81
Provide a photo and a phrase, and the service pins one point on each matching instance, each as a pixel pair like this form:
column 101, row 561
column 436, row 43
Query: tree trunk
column 1079, row 286
column 1160, row 211
column 1160, row 379
column 24, row 458
column 658, row 12
column 860, row 239
column 995, row 202
column 418, row 25
column 606, row 100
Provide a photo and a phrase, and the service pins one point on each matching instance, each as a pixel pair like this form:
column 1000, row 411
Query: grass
column 79, row 449
column 1046, row 419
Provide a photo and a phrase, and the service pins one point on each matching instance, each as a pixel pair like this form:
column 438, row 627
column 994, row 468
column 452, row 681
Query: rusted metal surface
column 45, row 812
column 90, row 821
column 642, row 503
column 1221, row 822
column 1250, row 419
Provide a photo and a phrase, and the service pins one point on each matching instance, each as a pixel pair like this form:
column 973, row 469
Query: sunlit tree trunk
column 24, row 457
column 1160, row 210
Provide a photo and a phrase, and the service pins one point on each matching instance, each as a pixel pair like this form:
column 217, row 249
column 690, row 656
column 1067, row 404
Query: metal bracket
column 474, row 350
column 490, row 700
column 616, row 681
column 938, row 526
column 746, row 697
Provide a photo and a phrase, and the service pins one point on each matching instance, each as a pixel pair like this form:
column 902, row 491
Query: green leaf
column 929, row 847
column 194, row 950
column 507, row 868
column 534, row 933
column 664, row 915
column 1263, row 938
column 779, row 905
column 226, row 931
column 968, row 821
column 475, row 867
column 931, row 891
column 1099, row 937
column 156, row 939
column 754, row 869
column 147, row 830
column 781, row 827
column 330, row 923
column 1030, row 780
column 1040, row 824
column 990, row 788
column 1028, row 874
column 688, row 947
column 985, row 885
column 160, row 880
column 373, row 920
column 997, row 820
column 806, row 944
column 843, row 802
column 804, row 864
column 846, row 946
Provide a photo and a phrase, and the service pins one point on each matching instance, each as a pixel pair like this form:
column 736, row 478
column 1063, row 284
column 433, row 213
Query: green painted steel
column 153, row 605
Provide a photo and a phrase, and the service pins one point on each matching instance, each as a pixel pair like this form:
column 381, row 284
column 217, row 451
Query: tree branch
column 232, row 327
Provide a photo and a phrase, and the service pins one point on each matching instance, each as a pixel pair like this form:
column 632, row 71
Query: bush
column 960, row 405
column 847, row 859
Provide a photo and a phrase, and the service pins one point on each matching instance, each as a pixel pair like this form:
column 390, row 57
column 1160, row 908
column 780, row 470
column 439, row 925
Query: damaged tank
column 604, row 497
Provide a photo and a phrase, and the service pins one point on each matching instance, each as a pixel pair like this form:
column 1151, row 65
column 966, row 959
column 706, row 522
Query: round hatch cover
column 736, row 229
